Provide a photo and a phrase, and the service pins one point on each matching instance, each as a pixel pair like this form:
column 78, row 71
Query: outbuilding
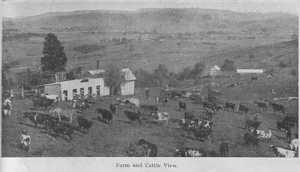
column 67, row 90
column 128, row 84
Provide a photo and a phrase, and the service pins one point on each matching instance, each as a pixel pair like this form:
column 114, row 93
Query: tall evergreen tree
column 54, row 59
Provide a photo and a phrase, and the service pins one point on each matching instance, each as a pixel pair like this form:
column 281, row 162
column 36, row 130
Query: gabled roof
column 128, row 74
column 95, row 72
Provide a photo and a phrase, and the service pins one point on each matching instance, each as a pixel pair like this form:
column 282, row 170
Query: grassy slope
column 207, row 32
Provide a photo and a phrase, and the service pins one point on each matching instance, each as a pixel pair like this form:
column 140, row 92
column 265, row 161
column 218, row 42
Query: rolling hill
column 143, row 38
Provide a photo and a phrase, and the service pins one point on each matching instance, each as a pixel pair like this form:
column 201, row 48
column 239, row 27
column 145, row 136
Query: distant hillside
column 148, row 37
column 155, row 20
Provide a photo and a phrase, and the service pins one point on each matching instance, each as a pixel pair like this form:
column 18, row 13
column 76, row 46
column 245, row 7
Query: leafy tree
column 251, row 56
column 113, row 79
column 197, row 70
column 54, row 59
column 228, row 65
column 161, row 75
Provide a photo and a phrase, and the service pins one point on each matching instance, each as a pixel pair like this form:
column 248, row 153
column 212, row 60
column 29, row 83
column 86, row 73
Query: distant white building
column 128, row 85
column 67, row 90
column 250, row 71
column 215, row 70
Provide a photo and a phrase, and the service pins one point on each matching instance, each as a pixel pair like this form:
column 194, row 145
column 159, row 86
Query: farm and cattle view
column 150, row 83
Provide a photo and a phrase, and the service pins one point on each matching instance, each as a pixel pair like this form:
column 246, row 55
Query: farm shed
column 66, row 90
column 250, row 71
column 128, row 84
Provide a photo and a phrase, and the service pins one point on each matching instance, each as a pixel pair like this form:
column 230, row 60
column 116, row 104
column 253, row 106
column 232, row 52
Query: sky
column 19, row 8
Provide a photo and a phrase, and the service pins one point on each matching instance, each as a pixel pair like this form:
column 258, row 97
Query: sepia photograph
column 150, row 78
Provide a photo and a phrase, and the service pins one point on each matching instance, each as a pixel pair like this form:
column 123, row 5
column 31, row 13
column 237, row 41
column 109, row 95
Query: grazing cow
column 250, row 138
column 188, row 115
column 229, row 106
column 133, row 116
column 84, row 123
column 252, row 124
column 264, row 135
column 202, row 133
column 282, row 152
column 162, row 116
column 43, row 102
column 283, row 126
column 150, row 108
column 181, row 105
column 261, row 105
column 253, row 78
column 37, row 118
column 107, row 116
column 243, row 108
column 290, row 120
column 224, row 149
column 208, row 124
column 62, row 129
column 294, row 145
column 60, row 113
column 277, row 107
column 7, row 107
column 25, row 141
column 113, row 108
column 151, row 149
column 190, row 152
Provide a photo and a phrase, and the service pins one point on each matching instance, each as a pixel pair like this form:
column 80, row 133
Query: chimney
column 98, row 64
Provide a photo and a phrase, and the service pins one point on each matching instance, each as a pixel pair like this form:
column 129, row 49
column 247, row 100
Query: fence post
column 22, row 92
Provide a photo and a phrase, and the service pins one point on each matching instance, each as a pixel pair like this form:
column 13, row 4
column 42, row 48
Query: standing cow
column 224, row 149
column 182, row 105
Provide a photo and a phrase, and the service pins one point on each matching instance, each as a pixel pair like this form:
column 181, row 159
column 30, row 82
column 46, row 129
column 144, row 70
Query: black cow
column 250, row 138
column 150, row 108
column 262, row 105
column 291, row 120
column 189, row 116
column 190, row 152
column 133, row 116
column 224, row 149
column 202, row 133
column 84, row 123
column 151, row 149
column 243, row 108
column 283, row 126
column 113, row 108
column 277, row 107
column 43, row 102
column 38, row 118
column 63, row 129
column 229, row 105
column 181, row 105
column 252, row 124
column 107, row 116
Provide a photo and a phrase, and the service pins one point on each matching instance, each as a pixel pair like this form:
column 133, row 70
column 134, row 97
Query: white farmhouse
column 66, row 90
column 128, row 84
column 250, row 71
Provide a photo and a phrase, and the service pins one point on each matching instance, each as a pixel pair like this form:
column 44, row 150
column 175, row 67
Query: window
column 98, row 90
column 74, row 93
column 81, row 92
column 90, row 91
column 65, row 93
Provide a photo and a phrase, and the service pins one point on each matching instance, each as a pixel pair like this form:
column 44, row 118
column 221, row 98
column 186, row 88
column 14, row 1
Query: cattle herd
column 198, row 126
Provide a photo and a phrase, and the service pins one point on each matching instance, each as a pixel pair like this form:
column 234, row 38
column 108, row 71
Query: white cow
column 63, row 112
column 162, row 116
column 294, row 144
column 264, row 135
column 283, row 152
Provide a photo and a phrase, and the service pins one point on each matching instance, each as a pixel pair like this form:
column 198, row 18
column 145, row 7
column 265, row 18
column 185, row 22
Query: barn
column 66, row 90
column 128, row 84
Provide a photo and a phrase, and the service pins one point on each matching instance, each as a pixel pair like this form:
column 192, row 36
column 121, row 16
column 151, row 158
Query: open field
column 114, row 139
